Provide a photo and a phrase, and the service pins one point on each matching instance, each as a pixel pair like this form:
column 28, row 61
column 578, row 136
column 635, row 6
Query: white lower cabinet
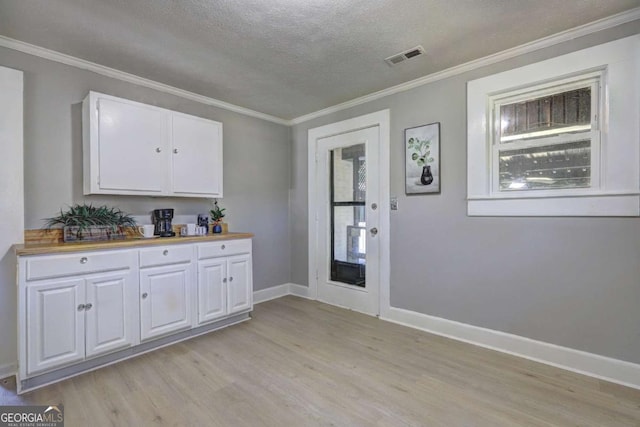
column 77, row 307
column 165, row 300
column 70, row 319
column 111, row 319
column 55, row 325
column 212, row 290
column 239, row 289
column 225, row 283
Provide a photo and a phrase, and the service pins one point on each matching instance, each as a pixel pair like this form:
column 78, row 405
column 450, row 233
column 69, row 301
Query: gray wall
column 574, row 282
column 256, row 165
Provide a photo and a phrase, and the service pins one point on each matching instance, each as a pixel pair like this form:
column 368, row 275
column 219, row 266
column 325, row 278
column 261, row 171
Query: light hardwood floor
column 300, row 363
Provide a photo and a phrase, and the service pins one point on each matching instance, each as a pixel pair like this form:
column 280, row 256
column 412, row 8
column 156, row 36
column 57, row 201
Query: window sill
column 575, row 205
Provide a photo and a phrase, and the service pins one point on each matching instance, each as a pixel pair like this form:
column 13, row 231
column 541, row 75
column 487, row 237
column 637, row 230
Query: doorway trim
column 381, row 119
column 11, row 209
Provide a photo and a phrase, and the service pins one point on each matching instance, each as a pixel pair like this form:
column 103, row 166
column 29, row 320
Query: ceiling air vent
column 403, row 56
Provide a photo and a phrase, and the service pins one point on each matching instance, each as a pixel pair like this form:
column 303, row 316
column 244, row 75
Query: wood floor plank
column 300, row 362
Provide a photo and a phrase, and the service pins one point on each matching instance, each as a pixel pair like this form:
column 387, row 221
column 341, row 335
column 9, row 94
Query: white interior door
column 348, row 199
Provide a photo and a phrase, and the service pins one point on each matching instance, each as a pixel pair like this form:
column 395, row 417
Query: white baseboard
column 278, row 291
column 271, row 293
column 582, row 362
column 8, row 370
column 299, row 291
column 593, row 365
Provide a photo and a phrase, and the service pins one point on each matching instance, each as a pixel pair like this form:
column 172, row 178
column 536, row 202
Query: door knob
column 373, row 231
column 158, row 150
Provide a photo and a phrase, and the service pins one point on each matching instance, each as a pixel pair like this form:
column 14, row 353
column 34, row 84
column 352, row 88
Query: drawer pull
column 88, row 306
column 84, row 260
column 81, row 307
column 165, row 252
column 145, row 295
column 222, row 247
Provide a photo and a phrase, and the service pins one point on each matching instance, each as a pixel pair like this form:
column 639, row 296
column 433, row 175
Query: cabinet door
column 133, row 147
column 165, row 304
column 55, row 324
column 196, row 156
column 108, row 313
column 212, row 289
column 239, row 285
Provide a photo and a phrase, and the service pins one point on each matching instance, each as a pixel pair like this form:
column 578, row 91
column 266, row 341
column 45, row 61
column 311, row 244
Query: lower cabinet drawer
column 224, row 248
column 163, row 255
column 49, row 266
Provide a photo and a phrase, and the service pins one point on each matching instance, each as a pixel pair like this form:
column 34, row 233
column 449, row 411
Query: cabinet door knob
column 88, row 306
column 231, row 279
column 84, row 260
column 175, row 151
column 165, row 252
column 224, row 280
column 222, row 247
column 145, row 295
column 81, row 307
column 158, row 150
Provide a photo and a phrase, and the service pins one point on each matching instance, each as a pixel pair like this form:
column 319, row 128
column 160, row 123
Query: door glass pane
column 348, row 222
column 548, row 167
column 349, row 174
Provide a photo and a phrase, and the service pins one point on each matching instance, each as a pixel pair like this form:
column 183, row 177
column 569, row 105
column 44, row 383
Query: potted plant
column 217, row 213
column 421, row 155
column 87, row 222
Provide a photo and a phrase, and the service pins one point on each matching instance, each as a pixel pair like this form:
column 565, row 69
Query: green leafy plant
column 85, row 216
column 421, row 151
column 217, row 213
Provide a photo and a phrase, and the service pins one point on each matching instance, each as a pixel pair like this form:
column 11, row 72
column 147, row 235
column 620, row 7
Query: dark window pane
column 553, row 112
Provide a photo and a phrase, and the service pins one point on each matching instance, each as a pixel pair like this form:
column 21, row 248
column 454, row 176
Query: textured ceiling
column 288, row 58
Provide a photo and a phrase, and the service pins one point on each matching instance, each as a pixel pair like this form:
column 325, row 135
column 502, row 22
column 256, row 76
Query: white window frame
column 615, row 134
column 560, row 136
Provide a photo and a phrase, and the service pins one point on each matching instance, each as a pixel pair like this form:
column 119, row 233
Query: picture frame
column 422, row 159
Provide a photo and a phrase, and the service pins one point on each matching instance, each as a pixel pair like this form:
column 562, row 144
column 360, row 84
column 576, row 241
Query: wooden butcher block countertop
column 59, row 247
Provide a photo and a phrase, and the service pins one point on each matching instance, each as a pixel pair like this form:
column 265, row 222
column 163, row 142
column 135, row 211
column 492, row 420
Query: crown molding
column 62, row 58
column 583, row 30
column 573, row 33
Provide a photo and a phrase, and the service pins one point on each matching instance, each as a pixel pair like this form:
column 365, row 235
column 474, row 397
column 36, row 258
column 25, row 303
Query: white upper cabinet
column 138, row 149
column 196, row 156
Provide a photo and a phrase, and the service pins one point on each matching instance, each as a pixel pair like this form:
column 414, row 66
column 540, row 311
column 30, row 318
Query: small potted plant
column 87, row 222
column 217, row 213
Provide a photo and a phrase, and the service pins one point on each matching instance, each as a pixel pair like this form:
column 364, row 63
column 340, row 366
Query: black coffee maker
column 162, row 220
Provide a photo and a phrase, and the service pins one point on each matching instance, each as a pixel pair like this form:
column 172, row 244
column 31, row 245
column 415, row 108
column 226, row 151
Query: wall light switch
column 394, row 203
